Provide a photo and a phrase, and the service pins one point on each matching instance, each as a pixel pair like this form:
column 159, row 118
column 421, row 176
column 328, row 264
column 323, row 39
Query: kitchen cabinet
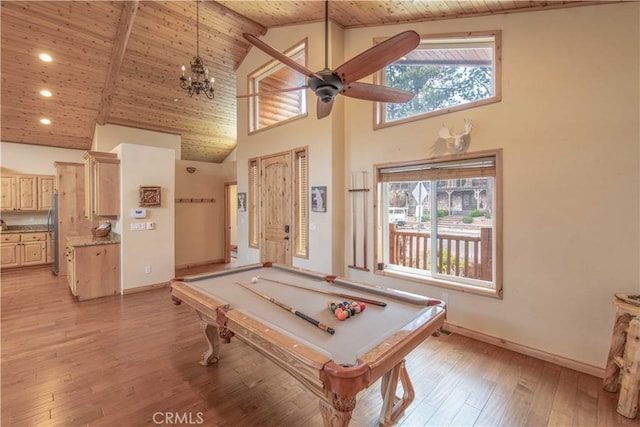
column 70, row 182
column 23, row 249
column 102, row 184
column 26, row 192
column 93, row 268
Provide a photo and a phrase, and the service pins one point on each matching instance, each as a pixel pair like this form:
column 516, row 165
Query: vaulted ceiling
column 119, row 62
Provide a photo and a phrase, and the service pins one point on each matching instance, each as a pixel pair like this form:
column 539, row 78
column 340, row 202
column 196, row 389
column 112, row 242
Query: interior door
column 276, row 212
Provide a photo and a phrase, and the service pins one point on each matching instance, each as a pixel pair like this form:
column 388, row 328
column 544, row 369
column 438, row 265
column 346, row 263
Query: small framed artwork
column 319, row 199
column 242, row 202
column 149, row 196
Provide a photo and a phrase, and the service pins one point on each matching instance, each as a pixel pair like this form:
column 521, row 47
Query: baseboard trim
column 145, row 288
column 529, row 351
column 199, row 264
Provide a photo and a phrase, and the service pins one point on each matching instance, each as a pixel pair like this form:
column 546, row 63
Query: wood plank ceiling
column 119, row 62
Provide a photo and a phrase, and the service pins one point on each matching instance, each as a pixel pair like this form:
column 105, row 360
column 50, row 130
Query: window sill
column 477, row 290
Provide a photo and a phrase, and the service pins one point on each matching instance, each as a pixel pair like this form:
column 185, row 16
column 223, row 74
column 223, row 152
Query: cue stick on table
column 352, row 297
column 292, row 310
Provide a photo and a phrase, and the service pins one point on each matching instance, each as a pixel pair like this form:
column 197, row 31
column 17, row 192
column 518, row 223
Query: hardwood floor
column 133, row 360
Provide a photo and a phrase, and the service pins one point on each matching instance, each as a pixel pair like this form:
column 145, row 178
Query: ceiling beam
column 117, row 55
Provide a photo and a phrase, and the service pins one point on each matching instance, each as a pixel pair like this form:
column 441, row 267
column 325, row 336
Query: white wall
column 568, row 125
column 315, row 134
column 107, row 137
column 35, row 160
column 142, row 165
column 199, row 232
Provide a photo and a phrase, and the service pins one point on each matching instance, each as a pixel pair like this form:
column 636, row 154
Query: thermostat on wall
column 138, row 213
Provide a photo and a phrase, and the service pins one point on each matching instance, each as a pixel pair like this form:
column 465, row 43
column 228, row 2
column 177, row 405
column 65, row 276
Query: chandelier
column 198, row 81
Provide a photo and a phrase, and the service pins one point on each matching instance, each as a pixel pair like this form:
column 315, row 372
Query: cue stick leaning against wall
column 292, row 310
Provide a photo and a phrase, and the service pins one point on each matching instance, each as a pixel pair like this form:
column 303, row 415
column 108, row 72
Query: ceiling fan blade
column 377, row 93
column 274, row 53
column 323, row 108
column 272, row 92
column 378, row 56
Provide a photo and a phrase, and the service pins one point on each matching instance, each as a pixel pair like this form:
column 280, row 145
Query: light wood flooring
column 121, row 361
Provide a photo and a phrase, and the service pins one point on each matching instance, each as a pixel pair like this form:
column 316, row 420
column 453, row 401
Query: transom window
column 446, row 73
column 277, row 107
column 440, row 222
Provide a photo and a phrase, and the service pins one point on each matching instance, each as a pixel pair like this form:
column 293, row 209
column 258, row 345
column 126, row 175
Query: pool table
column 364, row 348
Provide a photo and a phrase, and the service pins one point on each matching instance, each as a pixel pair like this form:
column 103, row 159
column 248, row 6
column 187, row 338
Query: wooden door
column 276, row 213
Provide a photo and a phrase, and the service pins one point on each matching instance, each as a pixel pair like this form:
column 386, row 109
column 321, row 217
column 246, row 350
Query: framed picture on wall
column 242, row 202
column 148, row 196
column 319, row 199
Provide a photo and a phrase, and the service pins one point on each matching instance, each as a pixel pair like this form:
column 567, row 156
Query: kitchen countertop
column 33, row 228
column 76, row 241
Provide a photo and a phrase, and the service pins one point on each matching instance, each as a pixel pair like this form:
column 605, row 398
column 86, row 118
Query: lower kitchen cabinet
column 93, row 270
column 23, row 249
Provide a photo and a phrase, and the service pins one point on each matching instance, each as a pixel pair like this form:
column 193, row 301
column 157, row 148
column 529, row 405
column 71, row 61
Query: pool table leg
column 393, row 406
column 210, row 332
column 337, row 413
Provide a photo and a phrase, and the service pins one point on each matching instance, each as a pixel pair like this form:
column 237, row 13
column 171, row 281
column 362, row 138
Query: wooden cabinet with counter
column 24, row 249
column 93, row 266
column 26, row 192
column 102, row 184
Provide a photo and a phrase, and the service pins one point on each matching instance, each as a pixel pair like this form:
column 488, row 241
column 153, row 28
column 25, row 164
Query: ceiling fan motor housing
column 328, row 88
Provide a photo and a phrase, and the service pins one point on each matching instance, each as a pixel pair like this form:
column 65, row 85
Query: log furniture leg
column 611, row 381
column 630, row 384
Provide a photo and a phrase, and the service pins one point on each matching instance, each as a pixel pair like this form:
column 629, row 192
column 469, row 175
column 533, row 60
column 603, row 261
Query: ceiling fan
column 328, row 83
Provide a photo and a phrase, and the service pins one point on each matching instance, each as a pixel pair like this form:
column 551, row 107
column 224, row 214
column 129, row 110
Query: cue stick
column 366, row 225
column 291, row 310
column 352, row 297
column 353, row 216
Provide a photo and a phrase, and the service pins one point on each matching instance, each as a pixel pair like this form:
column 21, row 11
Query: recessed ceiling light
column 46, row 93
column 45, row 121
column 45, row 57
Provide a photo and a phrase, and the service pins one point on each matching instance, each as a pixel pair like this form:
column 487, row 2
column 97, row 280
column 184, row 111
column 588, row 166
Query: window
column 277, row 108
column 440, row 221
column 301, row 207
column 446, row 73
column 252, row 206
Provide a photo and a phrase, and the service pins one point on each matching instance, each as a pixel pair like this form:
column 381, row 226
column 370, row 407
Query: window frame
column 301, row 202
column 379, row 108
column 263, row 72
column 381, row 238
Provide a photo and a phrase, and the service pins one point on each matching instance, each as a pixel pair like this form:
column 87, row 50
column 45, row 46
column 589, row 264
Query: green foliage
column 437, row 87
column 467, row 219
column 442, row 212
column 476, row 213
column 426, row 217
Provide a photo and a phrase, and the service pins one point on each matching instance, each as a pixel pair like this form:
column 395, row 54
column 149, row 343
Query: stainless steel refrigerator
column 52, row 226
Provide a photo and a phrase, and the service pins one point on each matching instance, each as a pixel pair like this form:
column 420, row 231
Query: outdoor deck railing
column 458, row 255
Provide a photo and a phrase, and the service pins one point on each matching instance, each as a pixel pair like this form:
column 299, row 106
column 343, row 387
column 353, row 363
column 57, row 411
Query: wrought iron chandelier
column 198, row 81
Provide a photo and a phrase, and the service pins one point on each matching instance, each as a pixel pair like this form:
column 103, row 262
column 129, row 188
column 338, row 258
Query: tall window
column 301, row 207
column 252, row 205
column 277, row 108
column 441, row 221
column 446, row 73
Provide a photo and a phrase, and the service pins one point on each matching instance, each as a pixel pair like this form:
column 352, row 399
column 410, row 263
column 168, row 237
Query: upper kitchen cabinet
column 26, row 192
column 102, row 184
